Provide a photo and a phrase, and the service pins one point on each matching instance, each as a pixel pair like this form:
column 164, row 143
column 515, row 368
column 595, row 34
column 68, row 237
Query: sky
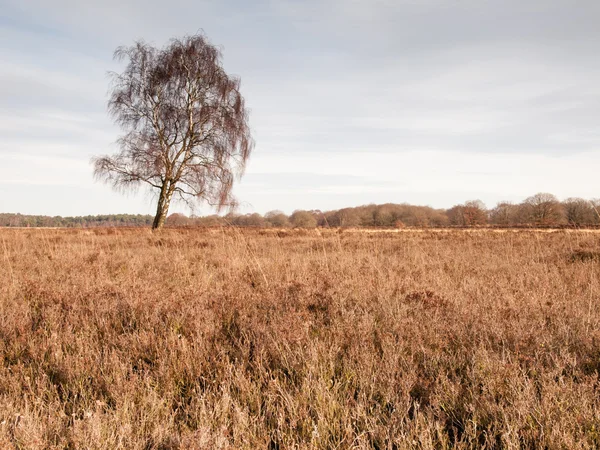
column 430, row 102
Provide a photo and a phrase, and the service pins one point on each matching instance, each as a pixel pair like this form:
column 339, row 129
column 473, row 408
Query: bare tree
column 303, row 219
column 185, row 124
column 456, row 216
column 347, row 217
column 579, row 211
column 505, row 213
column 473, row 212
column 544, row 209
column 277, row 219
column 595, row 203
column 177, row 220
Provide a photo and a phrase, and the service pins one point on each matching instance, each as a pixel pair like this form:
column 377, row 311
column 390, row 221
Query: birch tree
column 184, row 121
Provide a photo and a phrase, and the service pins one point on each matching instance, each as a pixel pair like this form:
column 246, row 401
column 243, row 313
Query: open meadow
column 259, row 339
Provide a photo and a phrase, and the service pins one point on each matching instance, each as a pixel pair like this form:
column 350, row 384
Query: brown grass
column 248, row 340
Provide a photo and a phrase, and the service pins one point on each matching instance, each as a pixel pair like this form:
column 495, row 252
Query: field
column 215, row 339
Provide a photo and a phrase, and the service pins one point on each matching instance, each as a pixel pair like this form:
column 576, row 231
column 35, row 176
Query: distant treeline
column 106, row 220
column 541, row 210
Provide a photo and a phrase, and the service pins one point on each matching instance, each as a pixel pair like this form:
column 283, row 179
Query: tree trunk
column 162, row 208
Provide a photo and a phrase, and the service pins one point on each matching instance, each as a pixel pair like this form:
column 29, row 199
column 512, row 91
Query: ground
column 208, row 339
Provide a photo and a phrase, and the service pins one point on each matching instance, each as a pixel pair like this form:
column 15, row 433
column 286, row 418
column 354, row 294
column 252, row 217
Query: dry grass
column 221, row 339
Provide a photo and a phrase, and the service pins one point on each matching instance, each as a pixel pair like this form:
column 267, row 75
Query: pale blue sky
column 352, row 101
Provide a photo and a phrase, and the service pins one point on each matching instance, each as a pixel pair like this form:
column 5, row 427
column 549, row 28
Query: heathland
column 280, row 339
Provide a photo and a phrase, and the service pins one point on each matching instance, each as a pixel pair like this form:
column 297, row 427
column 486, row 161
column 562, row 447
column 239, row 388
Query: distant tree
column 505, row 213
column 247, row 220
column 213, row 220
column 456, row 215
column 347, row 217
column 386, row 215
column 471, row 213
column 303, row 219
column 579, row 211
column 319, row 217
column 475, row 213
column 437, row 218
column 543, row 209
column 416, row 216
column 277, row 219
column 595, row 203
column 185, row 123
column 177, row 220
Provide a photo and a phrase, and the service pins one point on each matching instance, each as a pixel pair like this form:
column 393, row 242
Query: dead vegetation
column 193, row 339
